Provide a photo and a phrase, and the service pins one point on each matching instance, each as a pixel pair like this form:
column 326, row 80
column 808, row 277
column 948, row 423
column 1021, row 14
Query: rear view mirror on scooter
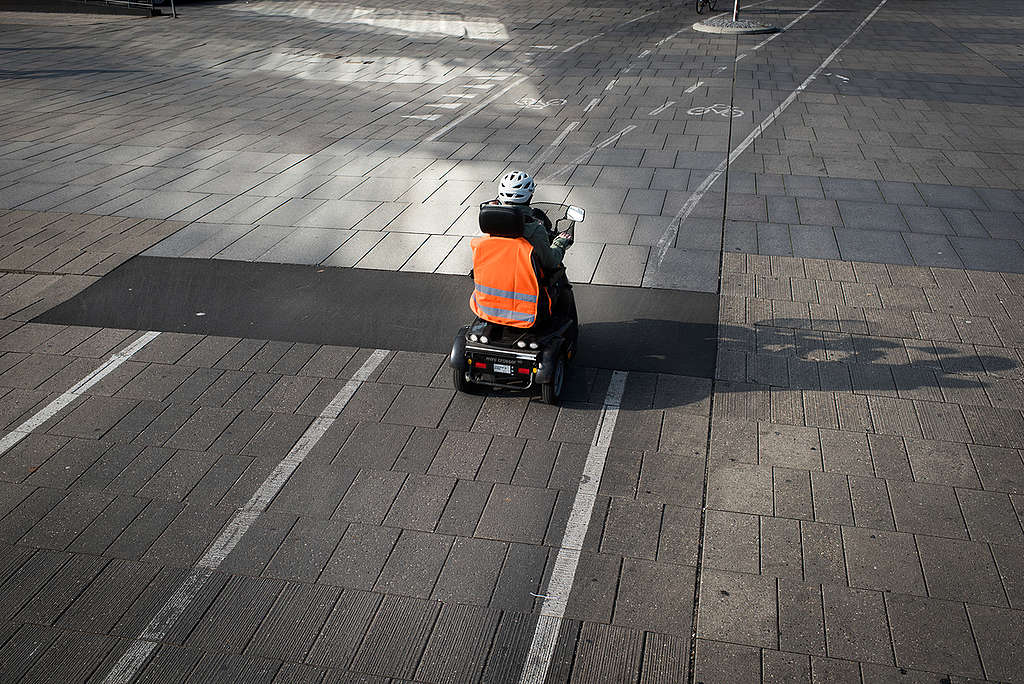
column 575, row 214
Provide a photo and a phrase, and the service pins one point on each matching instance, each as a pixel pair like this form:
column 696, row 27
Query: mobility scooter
column 531, row 342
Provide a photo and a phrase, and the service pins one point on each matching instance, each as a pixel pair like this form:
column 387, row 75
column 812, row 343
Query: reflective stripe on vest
column 504, row 313
column 483, row 289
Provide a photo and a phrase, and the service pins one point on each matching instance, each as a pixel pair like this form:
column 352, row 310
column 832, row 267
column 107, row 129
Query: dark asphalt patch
column 624, row 328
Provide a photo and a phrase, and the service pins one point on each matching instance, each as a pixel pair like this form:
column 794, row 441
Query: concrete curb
column 725, row 24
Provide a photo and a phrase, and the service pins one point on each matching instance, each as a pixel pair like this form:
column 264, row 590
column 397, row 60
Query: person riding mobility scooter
column 526, row 325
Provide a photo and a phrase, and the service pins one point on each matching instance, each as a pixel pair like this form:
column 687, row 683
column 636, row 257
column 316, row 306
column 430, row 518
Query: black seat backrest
column 501, row 221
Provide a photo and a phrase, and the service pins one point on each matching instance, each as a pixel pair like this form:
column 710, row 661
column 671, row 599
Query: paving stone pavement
column 844, row 501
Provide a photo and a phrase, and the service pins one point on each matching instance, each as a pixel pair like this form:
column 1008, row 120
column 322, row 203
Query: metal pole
column 174, row 12
column 735, row 10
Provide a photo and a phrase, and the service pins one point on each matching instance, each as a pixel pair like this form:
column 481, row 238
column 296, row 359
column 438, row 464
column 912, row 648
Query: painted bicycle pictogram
column 717, row 108
column 534, row 103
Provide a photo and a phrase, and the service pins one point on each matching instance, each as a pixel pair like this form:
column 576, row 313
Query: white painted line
column 611, row 84
column 692, row 88
column 582, row 42
column 668, row 37
column 559, row 586
column 423, row 117
column 480, row 86
column 78, row 389
column 444, row 129
column 785, row 28
column 659, row 110
column 552, row 147
column 604, row 143
column 642, row 16
column 643, row 54
column 669, row 236
column 464, row 96
column 241, row 522
column 612, row 140
column 593, row 103
column 741, row 56
column 566, row 131
column 445, row 105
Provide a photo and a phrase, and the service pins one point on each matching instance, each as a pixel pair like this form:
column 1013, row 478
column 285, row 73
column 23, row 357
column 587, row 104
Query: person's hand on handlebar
column 563, row 240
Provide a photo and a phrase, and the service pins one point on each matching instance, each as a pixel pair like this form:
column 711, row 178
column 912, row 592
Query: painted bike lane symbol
column 717, row 108
column 534, row 103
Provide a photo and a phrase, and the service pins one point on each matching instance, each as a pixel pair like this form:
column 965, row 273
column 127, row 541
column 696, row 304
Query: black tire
column 551, row 392
column 460, row 382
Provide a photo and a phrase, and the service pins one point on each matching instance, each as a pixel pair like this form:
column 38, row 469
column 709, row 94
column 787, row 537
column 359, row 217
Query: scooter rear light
column 479, row 364
column 524, row 371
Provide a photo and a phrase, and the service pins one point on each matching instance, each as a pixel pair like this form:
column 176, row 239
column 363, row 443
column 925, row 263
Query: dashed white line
column 582, row 42
column 566, row 131
column 444, row 129
column 615, row 138
column 643, row 54
column 559, row 586
column 642, row 16
column 604, row 143
column 78, row 389
column 694, row 87
column 593, row 103
column 659, row 110
column 143, row 646
column 668, row 237
column 785, row 28
column 611, row 84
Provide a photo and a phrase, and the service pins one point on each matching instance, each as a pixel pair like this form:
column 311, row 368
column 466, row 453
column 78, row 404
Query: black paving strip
column 624, row 328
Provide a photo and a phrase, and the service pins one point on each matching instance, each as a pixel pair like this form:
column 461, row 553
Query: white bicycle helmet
column 516, row 187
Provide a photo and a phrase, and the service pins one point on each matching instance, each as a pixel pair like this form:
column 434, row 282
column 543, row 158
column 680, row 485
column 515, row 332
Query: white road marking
column 566, row 131
column 643, row 54
column 604, row 143
column 552, row 146
column 593, row 103
column 445, row 105
column 135, row 657
column 444, row 129
column 785, row 28
column 424, row 117
column 78, row 389
column 668, row 238
column 479, row 86
column 559, row 586
column 464, row 96
column 612, row 140
column 741, row 56
column 659, row 110
column 582, row 42
column 668, row 38
column 692, row 88
column 611, row 84
column 642, row 16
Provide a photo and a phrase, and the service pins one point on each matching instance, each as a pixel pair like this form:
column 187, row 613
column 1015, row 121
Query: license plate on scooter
column 502, row 368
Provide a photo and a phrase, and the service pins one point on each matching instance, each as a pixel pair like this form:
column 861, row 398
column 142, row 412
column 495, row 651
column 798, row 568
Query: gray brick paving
column 864, row 467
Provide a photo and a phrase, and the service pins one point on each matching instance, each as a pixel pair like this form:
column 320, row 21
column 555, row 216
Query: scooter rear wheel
column 550, row 392
column 460, row 382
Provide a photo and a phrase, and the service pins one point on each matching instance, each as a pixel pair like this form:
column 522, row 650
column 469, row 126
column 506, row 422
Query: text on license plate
column 502, row 368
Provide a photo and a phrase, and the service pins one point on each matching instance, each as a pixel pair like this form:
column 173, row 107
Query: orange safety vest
column 505, row 289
